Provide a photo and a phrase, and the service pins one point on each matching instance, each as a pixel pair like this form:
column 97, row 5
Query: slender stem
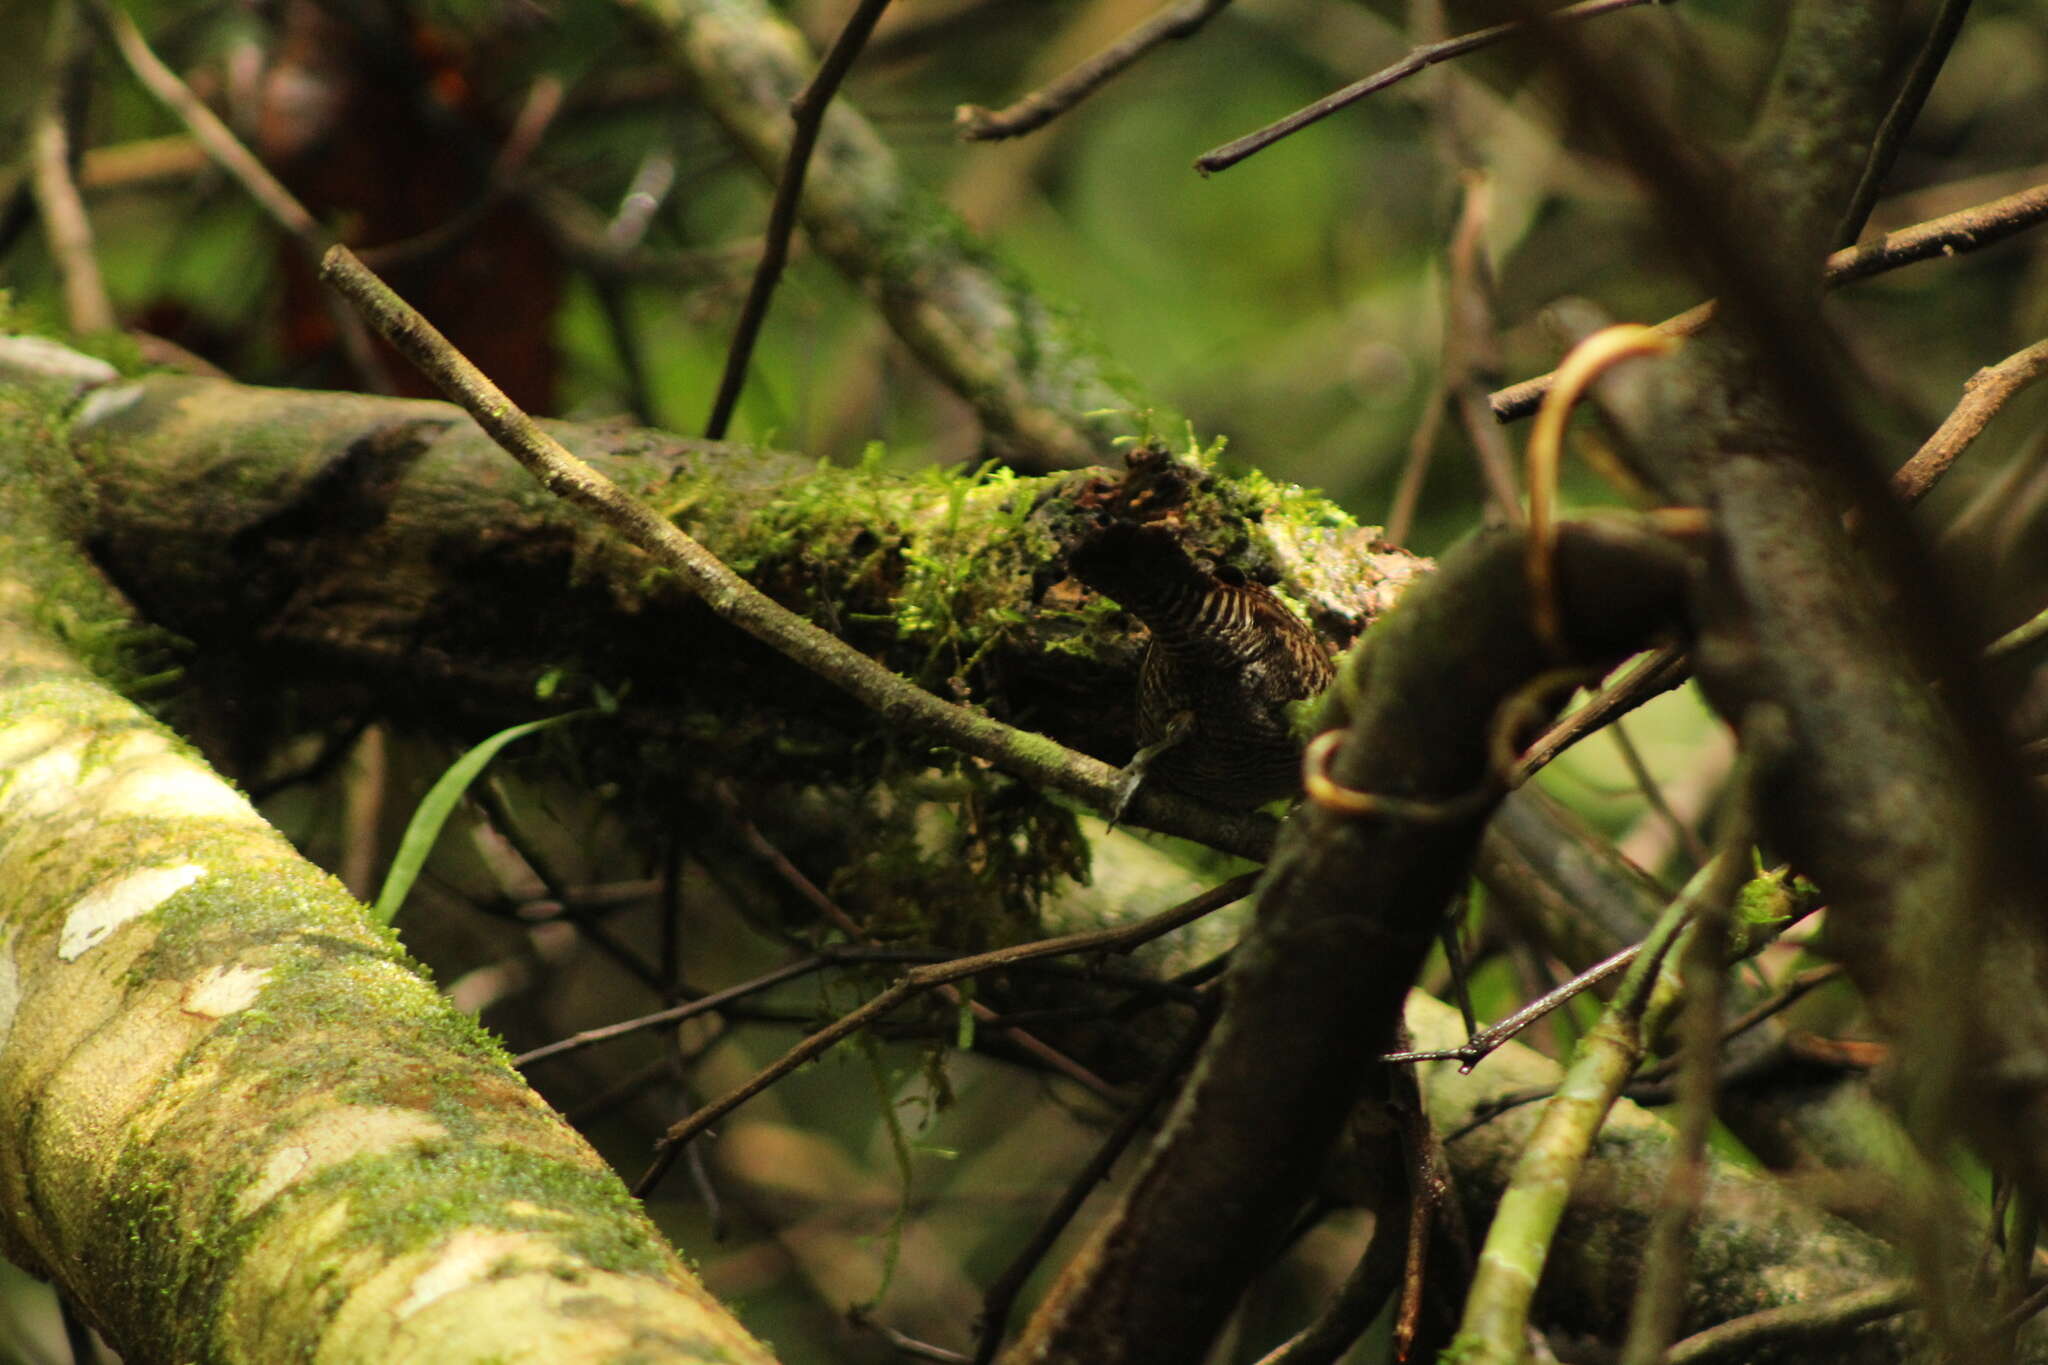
column 1002, row 1294
column 1049, row 101
column 1121, row 938
column 1509, row 1027
column 1652, row 675
column 207, row 130
column 2017, row 1317
column 243, row 168
column 87, row 308
column 1497, row 1308
column 674, row 1014
column 807, row 114
column 2020, row 636
column 1898, row 120
column 1653, row 794
column 1741, row 1339
column 1984, row 394
column 1418, row 59
column 1660, row 1297
column 794, row 877
column 1951, row 234
column 1421, row 449
column 1402, row 1222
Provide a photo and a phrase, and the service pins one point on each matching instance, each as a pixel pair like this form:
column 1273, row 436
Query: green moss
column 425, row 1192
column 143, row 1216
column 419, row 1194
column 40, row 515
column 1465, row 1346
column 1765, row 904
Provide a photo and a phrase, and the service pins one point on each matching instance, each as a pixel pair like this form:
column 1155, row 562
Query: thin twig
column 1056, row 97
column 1475, row 1048
column 1949, row 235
column 1496, row 1312
column 1745, row 1338
column 244, row 168
column 1373, row 1278
column 1431, row 1206
column 651, row 183
column 537, row 111
column 2020, row 636
column 1984, row 394
column 86, row 305
column 2016, row 1228
column 214, row 136
column 765, row 849
column 1418, row 59
column 649, row 189
column 1793, row 991
column 1421, row 449
column 1454, row 958
column 1469, row 353
column 909, row 1345
column 490, row 796
column 87, row 308
column 1653, row 793
column 1660, row 1296
column 894, row 699
column 675, row 1014
column 1653, row 674
column 618, row 1092
column 1472, row 350
column 1003, row 1291
column 2011, row 1322
column 1121, row 938
column 1898, row 120
column 807, row 115
column 1495, row 457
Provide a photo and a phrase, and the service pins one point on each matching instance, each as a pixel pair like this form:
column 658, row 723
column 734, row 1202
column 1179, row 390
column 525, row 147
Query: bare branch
column 1418, row 59
column 242, row 167
column 1985, row 393
column 1949, row 235
column 86, row 305
column 1742, row 1338
column 1048, row 102
column 1898, row 120
column 1119, row 938
column 807, row 117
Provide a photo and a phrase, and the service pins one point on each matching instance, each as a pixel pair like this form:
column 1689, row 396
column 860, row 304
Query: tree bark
column 241, row 1125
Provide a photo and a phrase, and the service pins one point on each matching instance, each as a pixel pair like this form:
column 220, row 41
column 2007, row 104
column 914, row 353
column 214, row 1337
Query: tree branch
column 1047, row 103
column 1951, row 234
column 1346, row 911
column 807, row 116
column 1038, row 385
column 1418, row 59
column 239, row 1124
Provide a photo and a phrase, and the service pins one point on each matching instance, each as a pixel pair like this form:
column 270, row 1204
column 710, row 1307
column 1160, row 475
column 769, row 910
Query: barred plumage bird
column 1225, row 660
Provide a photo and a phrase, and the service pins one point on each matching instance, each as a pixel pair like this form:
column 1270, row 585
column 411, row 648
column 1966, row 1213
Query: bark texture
column 241, row 1125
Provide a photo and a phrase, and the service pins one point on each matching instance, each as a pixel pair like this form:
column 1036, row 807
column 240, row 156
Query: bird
column 1226, row 660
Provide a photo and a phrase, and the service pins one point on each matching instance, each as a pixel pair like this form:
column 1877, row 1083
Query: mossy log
column 241, row 1124
column 386, row 545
